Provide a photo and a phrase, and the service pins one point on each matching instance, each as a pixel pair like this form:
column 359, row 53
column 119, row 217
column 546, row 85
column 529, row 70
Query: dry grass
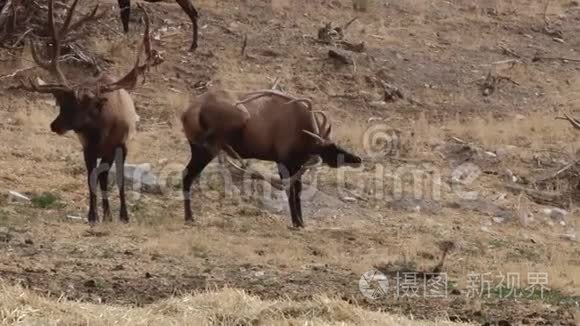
column 534, row 131
column 224, row 307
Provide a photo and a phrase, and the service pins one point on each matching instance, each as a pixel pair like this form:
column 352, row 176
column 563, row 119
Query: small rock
column 234, row 26
column 5, row 235
column 499, row 220
column 572, row 235
column 504, row 151
column 378, row 104
column 73, row 217
column 556, row 214
column 138, row 177
column 349, row 199
column 119, row 267
column 90, row 284
column 318, row 267
column 259, row 274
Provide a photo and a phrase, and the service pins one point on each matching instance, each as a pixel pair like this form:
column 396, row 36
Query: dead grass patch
column 536, row 131
column 223, row 307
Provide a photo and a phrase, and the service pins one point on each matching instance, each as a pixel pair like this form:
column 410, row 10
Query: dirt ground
column 453, row 140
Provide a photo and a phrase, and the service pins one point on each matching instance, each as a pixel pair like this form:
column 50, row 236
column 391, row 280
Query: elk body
column 100, row 111
column 186, row 6
column 267, row 125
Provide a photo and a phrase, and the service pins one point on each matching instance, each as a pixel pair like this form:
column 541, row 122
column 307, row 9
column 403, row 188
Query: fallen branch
column 17, row 72
column 557, row 173
column 541, row 197
column 510, row 52
column 339, row 57
column 563, row 59
column 348, row 24
column 244, row 44
column 352, row 46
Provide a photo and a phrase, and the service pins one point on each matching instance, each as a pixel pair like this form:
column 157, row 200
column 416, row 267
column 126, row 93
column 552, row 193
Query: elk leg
column 103, row 169
column 190, row 10
column 298, row 203
column 120, row 157
column 91, row 163
column 125, row 9
column 200, row 158
column 291, row 193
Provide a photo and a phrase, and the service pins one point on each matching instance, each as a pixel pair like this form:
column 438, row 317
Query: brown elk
column 266, row 125
column 186, row 5
column 100, row 111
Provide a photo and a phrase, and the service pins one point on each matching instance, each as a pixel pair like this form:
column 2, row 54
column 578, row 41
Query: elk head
column 80, row 105
column 331, row 154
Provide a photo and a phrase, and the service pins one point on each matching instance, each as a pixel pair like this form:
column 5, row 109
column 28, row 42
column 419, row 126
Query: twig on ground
column 564, row 59
column 491, row 81
column 541, row 197
column 244, row 44
column 510, row 52
column 17, row 72
column 339, row 57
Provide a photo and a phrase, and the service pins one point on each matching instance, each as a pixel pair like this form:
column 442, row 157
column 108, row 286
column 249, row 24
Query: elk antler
column 573, row 121
column 129, row 81
column 278, row 183
column 321, row 128
column 272, row 92
column 57, row 38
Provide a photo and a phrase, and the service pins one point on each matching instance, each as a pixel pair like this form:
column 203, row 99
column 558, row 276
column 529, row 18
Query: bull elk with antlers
column 266, row 125
column 100, row 111
column 186, row 6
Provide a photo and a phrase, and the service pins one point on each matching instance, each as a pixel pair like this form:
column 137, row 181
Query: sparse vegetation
column 46, row 200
